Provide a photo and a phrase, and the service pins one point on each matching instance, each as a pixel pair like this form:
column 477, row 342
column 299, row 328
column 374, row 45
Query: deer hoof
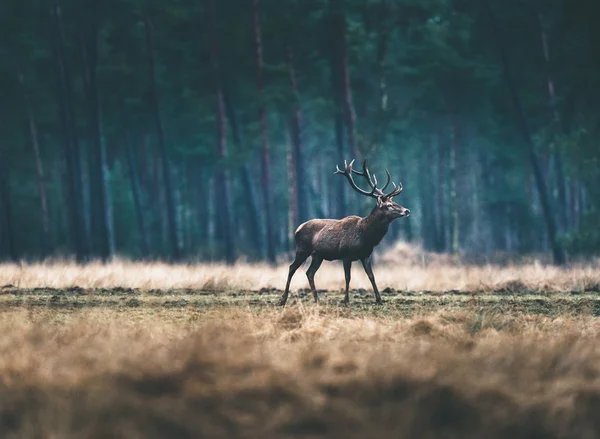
column 282, row 302
column 379, row 302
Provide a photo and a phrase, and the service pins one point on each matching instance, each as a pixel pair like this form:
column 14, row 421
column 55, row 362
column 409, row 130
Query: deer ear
column 380, row 201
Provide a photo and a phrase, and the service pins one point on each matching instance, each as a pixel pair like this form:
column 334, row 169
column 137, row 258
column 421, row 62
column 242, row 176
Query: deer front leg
column 310, row 273
column 347, row 269
column 300, row 258
column 367, row 266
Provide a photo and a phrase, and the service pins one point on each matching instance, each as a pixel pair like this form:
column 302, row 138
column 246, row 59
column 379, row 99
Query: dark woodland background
column 208, row 130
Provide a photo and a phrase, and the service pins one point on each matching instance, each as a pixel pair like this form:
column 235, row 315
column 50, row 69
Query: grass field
column 156, row 351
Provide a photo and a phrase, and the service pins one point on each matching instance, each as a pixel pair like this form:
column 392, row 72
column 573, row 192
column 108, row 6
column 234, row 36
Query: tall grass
column 236, row 371
column 300, row 372
column 403, row 268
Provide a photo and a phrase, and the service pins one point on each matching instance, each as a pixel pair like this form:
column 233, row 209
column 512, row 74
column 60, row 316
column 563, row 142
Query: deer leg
column 347, row 267
column 300, row 258
column 310, row 273
column 367, row 266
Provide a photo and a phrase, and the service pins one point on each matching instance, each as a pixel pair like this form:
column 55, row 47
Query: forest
column 209, row 130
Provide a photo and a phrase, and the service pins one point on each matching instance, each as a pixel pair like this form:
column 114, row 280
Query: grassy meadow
column 149, row 350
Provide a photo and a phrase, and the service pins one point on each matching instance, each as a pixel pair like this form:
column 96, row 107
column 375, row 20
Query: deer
column 348, row 239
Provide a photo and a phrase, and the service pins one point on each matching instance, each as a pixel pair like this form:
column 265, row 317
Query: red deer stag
column 349, row 239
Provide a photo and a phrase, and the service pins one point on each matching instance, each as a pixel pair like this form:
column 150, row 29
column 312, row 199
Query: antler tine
column 399, row 189
column 389, row 179
column 359, row 172
column 348, row 171
column 349, row 167
column 396, row 191
column 365, row 173
column 372, row 180
column 339, row 171
column 368, row 175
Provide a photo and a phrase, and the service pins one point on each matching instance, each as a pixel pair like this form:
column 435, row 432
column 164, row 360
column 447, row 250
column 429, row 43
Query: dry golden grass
column 139, row 350
column 403, row 268
column 302, row 372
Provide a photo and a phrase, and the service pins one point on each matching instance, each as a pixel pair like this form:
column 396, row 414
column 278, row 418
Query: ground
column 397, row 304
column 155, row 351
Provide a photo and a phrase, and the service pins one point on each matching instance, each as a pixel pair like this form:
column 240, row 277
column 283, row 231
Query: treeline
column 210, row 129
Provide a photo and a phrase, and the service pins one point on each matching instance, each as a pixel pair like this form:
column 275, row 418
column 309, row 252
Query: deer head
column 385, row 205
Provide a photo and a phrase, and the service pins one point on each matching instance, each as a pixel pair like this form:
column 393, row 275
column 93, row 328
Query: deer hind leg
column 367, row 266
column 347, row 269
column 300, row 258
column 310, row 273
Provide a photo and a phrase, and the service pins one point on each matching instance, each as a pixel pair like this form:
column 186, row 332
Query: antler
column 396, row 191
column 372, row 181
column 348, row 173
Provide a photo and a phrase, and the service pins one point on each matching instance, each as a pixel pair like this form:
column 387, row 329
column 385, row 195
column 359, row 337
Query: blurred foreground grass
column 83, row 363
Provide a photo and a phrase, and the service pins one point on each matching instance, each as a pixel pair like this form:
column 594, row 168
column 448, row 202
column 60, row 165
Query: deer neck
column 374, row 226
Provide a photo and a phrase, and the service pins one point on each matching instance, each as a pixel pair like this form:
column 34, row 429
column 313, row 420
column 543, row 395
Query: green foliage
column 421, row 72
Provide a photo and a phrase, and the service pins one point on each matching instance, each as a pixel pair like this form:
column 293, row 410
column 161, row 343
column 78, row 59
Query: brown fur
column 349, row 239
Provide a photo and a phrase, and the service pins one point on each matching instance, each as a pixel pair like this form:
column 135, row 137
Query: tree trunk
column 134, row 180
column 383, row 38
column 137, row 199
column 580, row 204
column 39, row 170
column 572, row 204
column 223, row 191
column 341, row 195
column 265, row 154
column 107, row 192
column 71, row 147
column 179, row 206
column 251, row 197
column 557, row 251
column 341, row 53
column 252, row 200
column 162, row 212
column 99, row 212
column 40, row 182
column 556, row 122
column 6, row 225
column 454, row 233
column 145, row 163
column 301, row 181
column 155, row 193
column 474, row 190
column 338, row 120
column 338, row 104
column 429, row 208
column 440, row 198
column 319, row 183
column 202, row 209
column 292, row 190
column 162, row 149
